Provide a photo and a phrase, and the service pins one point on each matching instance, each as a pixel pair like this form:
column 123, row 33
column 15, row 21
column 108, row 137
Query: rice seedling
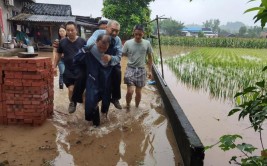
column 214, row 42
column 220, row 71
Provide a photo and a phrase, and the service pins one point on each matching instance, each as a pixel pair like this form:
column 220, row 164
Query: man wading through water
column 98, row 72
column 69, row 46
column 113, row 57
column 137, row 49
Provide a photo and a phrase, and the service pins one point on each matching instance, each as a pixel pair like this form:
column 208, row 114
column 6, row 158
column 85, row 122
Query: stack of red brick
column 26, row 90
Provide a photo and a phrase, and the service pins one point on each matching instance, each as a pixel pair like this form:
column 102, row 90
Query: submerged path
column 141, row 136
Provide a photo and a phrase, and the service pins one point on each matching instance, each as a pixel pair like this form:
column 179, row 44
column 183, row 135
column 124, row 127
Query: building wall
column 7, row 13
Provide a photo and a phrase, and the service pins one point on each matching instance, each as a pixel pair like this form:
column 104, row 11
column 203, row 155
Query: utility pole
column 160, row 53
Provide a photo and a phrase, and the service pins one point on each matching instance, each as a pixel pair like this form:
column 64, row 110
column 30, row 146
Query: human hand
column 106, row 58
column 149, row 75
column 56, row 43
column 55, row 72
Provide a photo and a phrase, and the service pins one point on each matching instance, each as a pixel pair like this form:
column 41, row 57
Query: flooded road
column 141, row 136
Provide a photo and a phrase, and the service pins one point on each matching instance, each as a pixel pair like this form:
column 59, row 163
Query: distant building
column 40, row 21
column 194, row 31
column 8, row 9
column 191, row 31
column 209, row 33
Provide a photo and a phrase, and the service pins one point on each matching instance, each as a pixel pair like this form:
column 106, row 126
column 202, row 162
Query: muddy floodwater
column 141, row 136
column 209, row 118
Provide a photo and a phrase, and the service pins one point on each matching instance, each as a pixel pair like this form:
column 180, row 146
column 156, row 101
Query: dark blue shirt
column 69, row 49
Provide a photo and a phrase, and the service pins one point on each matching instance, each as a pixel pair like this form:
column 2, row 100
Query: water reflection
column 63, row 158
column 206, row 106
column 209, row 118
column 137, row 137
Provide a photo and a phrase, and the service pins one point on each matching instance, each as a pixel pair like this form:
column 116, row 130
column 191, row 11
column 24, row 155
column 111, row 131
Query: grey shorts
column 135, row 76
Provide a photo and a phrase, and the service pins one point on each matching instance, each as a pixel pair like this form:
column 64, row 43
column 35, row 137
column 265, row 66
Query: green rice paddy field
column 220, row 71
column 207, row 78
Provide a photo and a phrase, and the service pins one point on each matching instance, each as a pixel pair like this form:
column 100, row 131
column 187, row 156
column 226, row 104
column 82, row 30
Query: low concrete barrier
column 190, row 146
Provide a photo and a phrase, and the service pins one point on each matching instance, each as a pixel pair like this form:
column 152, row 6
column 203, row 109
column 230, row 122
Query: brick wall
column 26, row 90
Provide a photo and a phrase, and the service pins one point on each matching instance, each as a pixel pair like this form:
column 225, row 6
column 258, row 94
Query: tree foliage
column 128, row 13
column 213, row 24
column 169, row 27
column 262, row 12
column 242, row 31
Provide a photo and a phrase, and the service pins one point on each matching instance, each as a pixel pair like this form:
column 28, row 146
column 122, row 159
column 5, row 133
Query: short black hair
column 104, row 37
column 102, row 22
column 71, row 23
column 139, row 27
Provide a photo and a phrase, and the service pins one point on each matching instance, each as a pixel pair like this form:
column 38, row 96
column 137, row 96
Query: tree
column 207, row 24
column 224, row 32
column 242, row 31
column 200, row 34
column 216, row 24
column 128, row 13
column 169, row 27
column 213, row 24
column 254, row 32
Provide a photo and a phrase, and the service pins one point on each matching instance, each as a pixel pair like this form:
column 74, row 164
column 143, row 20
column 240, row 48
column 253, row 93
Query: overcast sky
column 187, row 12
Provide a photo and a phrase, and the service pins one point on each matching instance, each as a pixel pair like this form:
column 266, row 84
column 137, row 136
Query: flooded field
column 208, row 116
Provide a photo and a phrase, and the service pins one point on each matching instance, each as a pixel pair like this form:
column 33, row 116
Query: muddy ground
column 141, row 136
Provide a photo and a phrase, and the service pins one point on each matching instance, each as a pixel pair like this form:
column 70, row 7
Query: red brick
column 1, row 92
column 26, row 92
column 11, row 121
column 28, row 121
column 3, row 120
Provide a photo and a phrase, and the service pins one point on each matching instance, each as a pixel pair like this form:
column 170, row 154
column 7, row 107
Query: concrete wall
column 190, row 146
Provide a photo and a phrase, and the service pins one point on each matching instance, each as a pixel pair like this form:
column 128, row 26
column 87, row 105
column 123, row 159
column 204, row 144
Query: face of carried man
column 103, row 44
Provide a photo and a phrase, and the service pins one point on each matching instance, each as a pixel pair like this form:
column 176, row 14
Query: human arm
column 116, row 58
column 149, row 65
column 149, row 61
column 125, row 49
column 79, row 58
column 55, row 46
column 94, row 36
column 55, row 58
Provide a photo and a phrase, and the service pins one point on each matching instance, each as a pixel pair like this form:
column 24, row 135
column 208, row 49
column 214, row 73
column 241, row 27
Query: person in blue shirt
column 98, row 77
column 114, row 53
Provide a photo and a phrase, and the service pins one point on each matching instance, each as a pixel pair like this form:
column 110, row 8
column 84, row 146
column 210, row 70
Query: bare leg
column 72, row 105
column 129, row 94
column 138, row 95
column 70, row 88
column 84, row 99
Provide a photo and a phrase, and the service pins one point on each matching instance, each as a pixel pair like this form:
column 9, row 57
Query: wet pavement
column 141, row 136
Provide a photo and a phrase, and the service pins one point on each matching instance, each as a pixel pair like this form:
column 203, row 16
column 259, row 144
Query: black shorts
column 69, row 77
